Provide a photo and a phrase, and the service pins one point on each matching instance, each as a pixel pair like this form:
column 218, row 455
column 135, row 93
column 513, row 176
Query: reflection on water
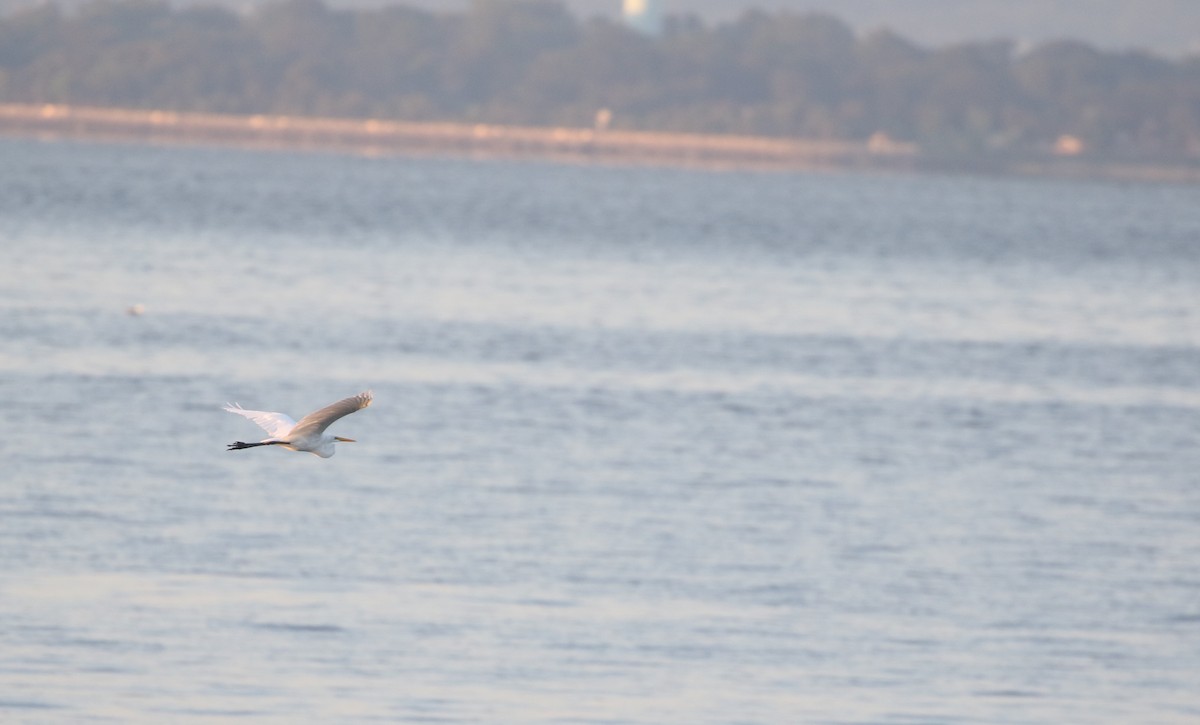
column 648, row 446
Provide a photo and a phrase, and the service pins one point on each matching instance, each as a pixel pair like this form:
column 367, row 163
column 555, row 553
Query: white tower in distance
column 644, row 15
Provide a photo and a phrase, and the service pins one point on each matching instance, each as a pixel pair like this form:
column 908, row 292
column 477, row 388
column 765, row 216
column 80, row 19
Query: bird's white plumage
column 308, row 434
column 316, row 422
column 275, row 424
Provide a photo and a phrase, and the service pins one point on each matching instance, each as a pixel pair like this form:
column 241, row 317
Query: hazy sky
column 1165, row 26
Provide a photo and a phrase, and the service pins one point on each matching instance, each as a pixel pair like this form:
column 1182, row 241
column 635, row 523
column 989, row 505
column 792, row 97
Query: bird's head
column 340, row 439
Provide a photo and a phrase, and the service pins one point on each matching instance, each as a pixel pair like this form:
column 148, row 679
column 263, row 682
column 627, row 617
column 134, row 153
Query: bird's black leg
column 240, row 445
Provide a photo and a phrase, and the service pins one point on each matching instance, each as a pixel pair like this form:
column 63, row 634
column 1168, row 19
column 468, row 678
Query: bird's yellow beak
column 344, row 440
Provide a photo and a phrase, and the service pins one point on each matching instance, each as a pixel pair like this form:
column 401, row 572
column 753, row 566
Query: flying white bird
column 307, row 435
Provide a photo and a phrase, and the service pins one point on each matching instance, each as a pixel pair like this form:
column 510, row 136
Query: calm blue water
column 648, row 446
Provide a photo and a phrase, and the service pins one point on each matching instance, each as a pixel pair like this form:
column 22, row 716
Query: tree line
column 533, row 62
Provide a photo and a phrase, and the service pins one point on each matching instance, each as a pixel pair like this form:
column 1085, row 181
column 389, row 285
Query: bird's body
column 308, row 435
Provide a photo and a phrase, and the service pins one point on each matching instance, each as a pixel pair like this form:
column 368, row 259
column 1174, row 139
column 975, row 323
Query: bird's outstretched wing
column 276, row 425
column 316, row 422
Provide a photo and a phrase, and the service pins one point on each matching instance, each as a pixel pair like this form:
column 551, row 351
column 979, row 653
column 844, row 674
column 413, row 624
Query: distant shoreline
column 580, row 145
column 383, row 137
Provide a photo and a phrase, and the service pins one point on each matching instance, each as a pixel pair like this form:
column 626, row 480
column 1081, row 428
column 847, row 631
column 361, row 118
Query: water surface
column 648, row 445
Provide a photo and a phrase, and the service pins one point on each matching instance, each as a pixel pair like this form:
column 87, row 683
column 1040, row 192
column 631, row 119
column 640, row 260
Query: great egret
column 307, row 435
